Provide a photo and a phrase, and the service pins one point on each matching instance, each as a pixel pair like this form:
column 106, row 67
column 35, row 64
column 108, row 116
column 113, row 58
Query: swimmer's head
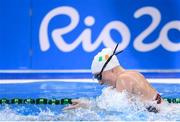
column 101, row 58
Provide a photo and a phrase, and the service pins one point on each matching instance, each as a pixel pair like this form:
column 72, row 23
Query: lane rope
column 63, row 101
column 36, row 101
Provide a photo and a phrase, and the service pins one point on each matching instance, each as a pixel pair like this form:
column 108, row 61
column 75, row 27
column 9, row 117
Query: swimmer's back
column 135, row 83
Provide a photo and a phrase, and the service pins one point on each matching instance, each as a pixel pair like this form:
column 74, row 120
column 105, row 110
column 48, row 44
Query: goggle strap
column 109, row 59
column 119, row 52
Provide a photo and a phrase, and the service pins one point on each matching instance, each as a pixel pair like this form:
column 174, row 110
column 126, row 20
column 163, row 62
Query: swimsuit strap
column 158, row 98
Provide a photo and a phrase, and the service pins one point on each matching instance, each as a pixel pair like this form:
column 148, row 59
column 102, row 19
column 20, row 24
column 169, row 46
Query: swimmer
column 107, row 70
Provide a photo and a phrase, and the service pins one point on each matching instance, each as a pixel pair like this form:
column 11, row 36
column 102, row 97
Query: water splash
column 110, row 105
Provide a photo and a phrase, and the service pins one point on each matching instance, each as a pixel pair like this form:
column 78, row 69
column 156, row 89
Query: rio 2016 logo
column 104, row 36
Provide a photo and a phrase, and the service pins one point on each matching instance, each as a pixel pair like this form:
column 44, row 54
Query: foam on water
column 110, row 105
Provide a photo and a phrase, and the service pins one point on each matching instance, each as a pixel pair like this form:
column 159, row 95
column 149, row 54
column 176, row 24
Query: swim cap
column 100, row 59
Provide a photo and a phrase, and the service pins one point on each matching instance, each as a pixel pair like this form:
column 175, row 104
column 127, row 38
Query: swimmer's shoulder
column 125, row 82
column 124, row 77
column 128, row 73
column 134, row 73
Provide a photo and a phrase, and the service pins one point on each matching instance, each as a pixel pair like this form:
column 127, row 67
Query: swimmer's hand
column 76, row 103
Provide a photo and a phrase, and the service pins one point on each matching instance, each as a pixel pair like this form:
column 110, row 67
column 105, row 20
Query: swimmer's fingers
column 75, row 101
column 71, row 107
column 76, row 104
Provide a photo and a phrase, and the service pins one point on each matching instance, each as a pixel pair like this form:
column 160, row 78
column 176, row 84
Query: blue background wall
column 15, row 41
column 20, row 23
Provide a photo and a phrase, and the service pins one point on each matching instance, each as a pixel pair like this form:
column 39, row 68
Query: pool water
column 104, row 102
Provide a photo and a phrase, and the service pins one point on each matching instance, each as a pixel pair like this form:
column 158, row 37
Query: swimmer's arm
column 146, row 91
column 148, row 87
column 77, row 103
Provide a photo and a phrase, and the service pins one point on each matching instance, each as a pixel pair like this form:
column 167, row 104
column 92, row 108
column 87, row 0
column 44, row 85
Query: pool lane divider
column 36, row 101
column 56, row 101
